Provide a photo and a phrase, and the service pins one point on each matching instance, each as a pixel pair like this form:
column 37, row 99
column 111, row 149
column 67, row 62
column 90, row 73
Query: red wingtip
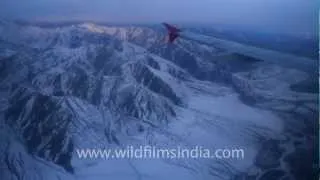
column 173, row 32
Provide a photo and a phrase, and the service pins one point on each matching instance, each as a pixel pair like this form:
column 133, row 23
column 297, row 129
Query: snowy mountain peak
column 92, row 27
column 98, row 86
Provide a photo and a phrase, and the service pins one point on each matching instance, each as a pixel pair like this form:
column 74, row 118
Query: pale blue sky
column 278, row 15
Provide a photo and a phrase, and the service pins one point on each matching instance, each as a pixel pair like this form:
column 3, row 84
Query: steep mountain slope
column 94, row 86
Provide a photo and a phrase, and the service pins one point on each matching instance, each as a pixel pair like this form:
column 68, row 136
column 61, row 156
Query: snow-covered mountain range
column 96, row 86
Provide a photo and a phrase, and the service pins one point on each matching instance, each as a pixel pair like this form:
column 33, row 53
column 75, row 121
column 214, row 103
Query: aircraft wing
column 288, row 60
